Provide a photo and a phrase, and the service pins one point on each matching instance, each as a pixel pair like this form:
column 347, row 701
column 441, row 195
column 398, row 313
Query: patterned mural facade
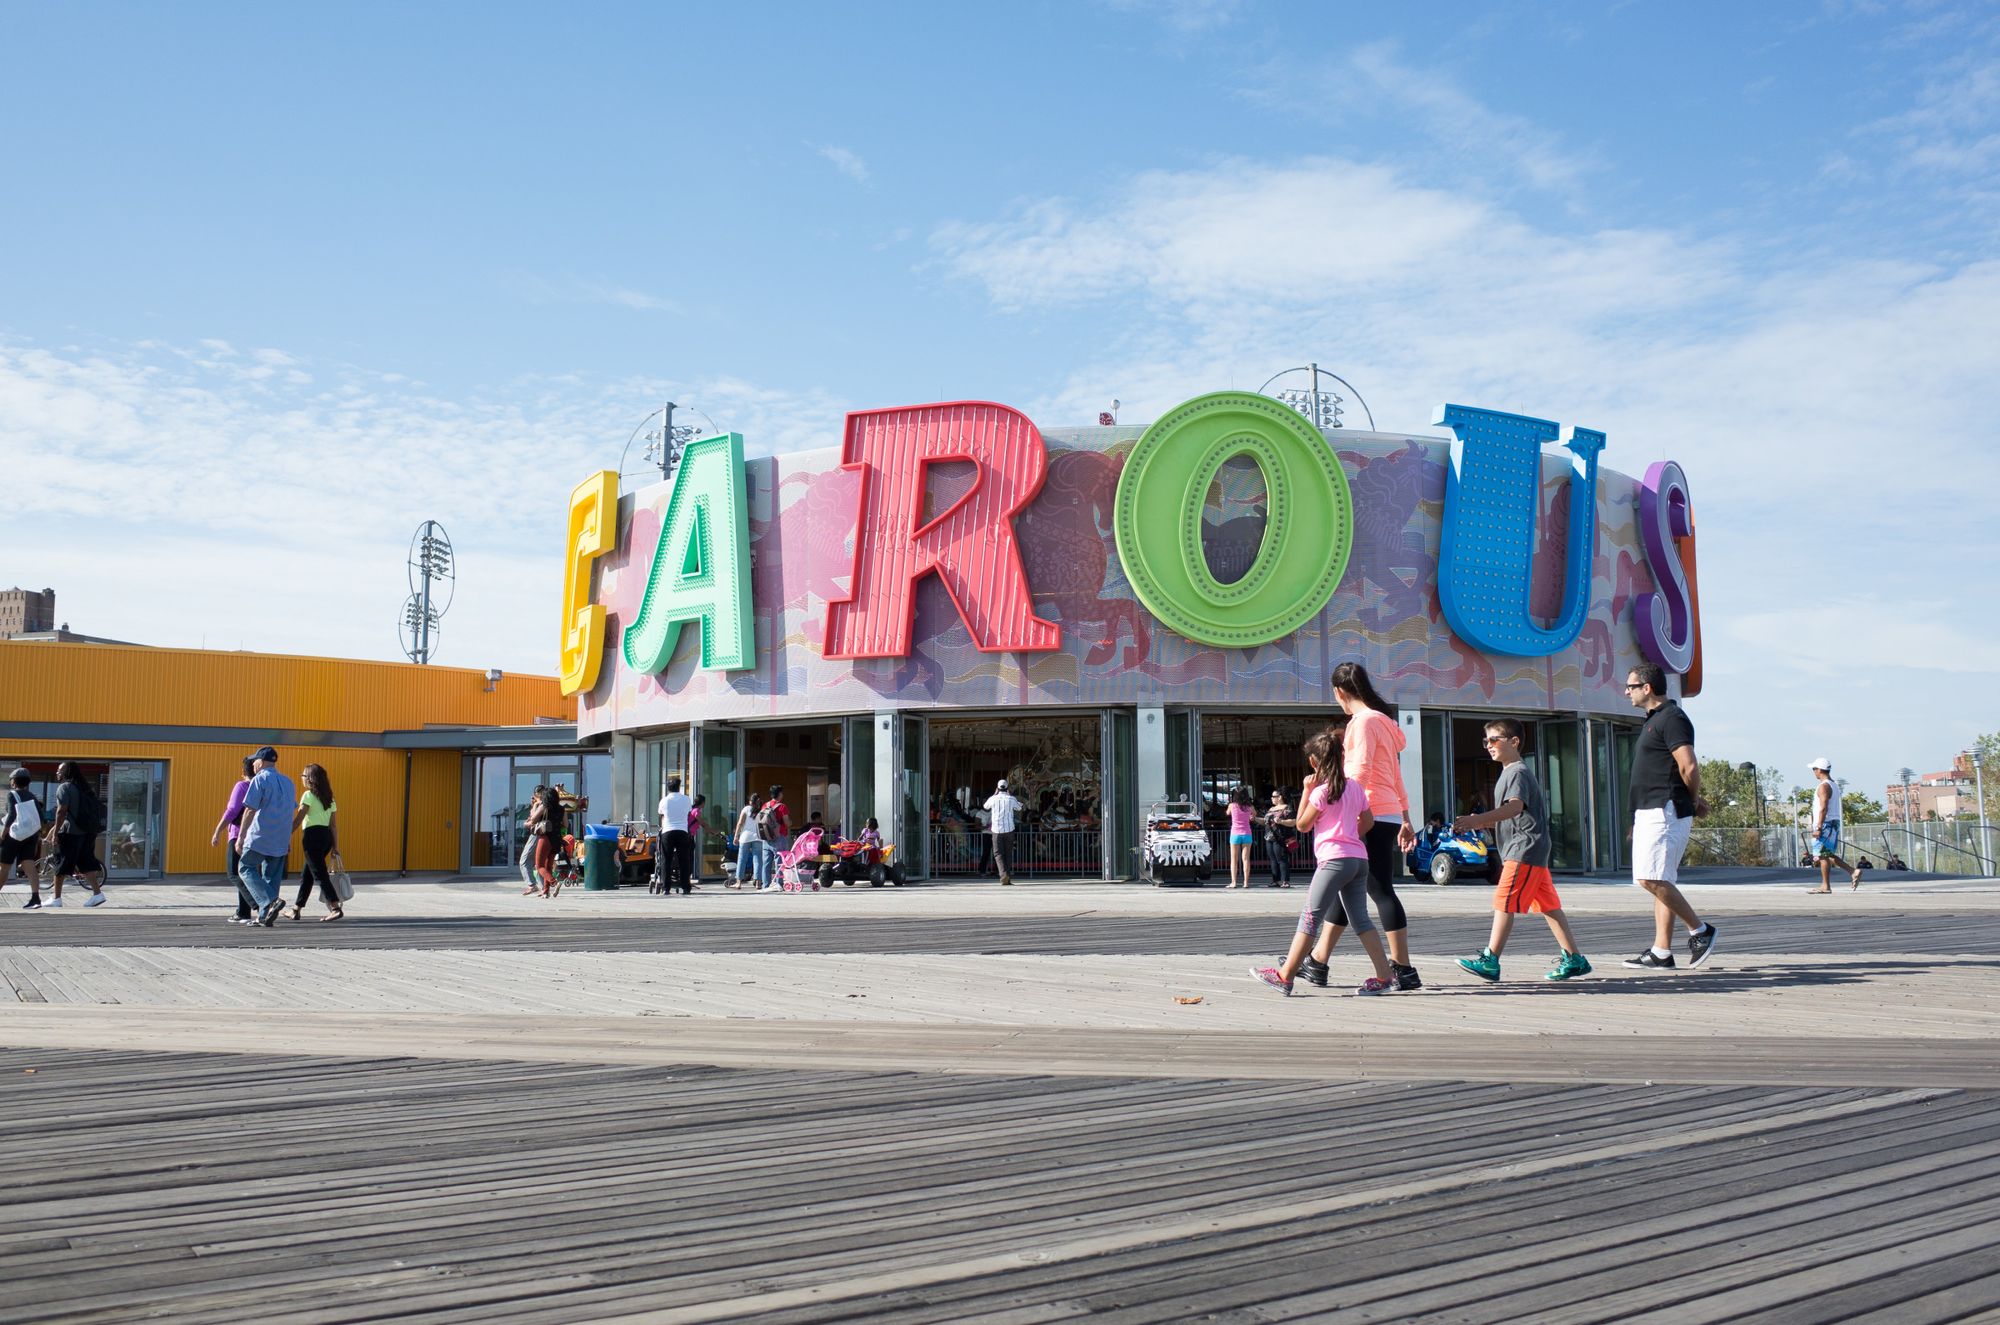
column 1385, row 611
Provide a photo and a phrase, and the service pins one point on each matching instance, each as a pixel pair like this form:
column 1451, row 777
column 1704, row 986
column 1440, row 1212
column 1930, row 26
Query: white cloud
column 182, row 496
column 1370, row 83
column 846, row 162
column 586, row 290
column 1185, row 18
column 1827, row 407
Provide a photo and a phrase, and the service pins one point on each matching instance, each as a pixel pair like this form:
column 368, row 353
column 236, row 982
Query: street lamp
column 1749, row 769
column 1979, row 790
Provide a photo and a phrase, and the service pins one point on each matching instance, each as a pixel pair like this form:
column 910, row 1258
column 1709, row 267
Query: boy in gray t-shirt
column 1521, row 819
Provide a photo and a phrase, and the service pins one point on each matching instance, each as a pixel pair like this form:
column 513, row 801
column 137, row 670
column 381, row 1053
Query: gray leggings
column 1340, row 882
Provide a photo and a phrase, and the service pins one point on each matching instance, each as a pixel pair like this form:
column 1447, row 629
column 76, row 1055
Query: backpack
column 89, row 817
column 27, row 816
column 768, row 820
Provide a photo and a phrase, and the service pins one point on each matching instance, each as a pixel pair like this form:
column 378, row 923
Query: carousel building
column 1112, row 616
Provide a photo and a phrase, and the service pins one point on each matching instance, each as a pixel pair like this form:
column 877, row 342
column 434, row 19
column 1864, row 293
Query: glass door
column 913, row 836
column 857, row 773
column 657, row 761
column 1559, row 752
column 1182, row 739
column 133, row 812
column 718, row 775
column 1119, row 804
column 523, row 782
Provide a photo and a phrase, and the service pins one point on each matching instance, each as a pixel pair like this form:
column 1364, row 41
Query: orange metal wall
column 49, row 682
column 367, row 784
column 91, row 683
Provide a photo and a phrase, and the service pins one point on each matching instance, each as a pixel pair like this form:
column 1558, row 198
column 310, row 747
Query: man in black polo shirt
column 1665, row 795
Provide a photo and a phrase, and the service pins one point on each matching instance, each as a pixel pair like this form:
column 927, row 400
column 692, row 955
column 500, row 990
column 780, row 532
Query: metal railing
column 1778, row 846
column 1947, row 847
column 1260, row 863
column 1038, row 853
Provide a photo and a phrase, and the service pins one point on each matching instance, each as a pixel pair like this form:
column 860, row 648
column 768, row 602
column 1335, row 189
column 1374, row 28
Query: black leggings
column 1279, row 854
column 318, row 842
column 1382, row 857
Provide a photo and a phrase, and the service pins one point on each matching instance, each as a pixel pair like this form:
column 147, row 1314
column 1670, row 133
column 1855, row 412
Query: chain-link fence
column 1776, row 846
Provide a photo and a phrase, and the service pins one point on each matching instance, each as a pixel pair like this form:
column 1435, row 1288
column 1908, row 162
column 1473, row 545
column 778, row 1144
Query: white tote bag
column 343, row 885
column 27, row 818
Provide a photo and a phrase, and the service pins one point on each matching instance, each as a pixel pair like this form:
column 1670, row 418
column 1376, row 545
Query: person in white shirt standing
column 675, row 858
column 1825, row 840
column 1001, row 808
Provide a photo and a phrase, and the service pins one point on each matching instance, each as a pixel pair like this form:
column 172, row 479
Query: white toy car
column 1176, row 851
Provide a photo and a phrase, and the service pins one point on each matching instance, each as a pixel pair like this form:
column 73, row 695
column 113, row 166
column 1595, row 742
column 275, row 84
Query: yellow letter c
column 593, row 531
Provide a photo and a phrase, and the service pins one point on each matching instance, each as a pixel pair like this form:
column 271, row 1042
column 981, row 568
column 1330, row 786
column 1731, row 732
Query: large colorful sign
column 1309, row 520
column 1077, row 549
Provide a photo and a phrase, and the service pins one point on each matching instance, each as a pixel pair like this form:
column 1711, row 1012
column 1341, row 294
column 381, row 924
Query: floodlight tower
column 431, row 563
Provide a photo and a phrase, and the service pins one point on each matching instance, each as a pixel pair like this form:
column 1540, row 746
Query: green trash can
column 600, row 857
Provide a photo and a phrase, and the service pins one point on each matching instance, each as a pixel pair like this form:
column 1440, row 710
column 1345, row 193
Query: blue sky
column 303, row 277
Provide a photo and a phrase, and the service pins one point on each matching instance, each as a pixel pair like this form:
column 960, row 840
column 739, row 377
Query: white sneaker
column 95, row 899
column 51, row 903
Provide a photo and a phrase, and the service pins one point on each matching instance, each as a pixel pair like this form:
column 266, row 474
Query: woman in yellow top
column 320, row 839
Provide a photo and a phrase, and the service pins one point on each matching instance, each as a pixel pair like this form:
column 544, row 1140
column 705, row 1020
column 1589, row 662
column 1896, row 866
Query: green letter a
column 701, row 567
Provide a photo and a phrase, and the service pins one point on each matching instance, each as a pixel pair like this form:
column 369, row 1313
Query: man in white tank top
column 1825, row 837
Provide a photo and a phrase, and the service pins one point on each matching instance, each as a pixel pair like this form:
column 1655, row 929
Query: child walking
column 1521, row 818
column 1335, row 811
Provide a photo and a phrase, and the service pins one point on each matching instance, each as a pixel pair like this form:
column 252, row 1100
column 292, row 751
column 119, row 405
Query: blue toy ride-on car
column 1445, row 856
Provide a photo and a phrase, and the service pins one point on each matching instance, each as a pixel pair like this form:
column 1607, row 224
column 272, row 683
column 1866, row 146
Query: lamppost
column 1749, row 770
column 1979, row 790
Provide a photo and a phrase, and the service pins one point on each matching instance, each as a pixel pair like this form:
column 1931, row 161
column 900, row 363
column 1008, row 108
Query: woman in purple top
column 232, row 822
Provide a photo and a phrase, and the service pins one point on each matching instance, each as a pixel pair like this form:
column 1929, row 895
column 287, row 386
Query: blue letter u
column 1486, row 558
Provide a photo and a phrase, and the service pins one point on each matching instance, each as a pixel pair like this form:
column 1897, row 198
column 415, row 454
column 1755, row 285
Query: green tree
column 1734, row 793
column 1858, row 808
column 1987, row 749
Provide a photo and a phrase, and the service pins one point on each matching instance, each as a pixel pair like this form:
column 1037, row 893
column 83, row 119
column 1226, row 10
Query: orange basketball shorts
column 1525, row 888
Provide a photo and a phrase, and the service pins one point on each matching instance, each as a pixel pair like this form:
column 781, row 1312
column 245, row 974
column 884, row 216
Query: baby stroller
column 568, row 868
column 799, row 866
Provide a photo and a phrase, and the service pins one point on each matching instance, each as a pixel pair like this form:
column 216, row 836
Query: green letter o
column 1308, row 529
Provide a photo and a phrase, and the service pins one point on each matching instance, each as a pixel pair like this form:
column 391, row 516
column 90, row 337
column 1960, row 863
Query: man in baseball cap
column 1001, row 807
column 1825, row 836
column 265, row 838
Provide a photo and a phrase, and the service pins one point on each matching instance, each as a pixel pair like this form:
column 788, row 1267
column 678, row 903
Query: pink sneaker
column 1269, row 975
column 1373, row 986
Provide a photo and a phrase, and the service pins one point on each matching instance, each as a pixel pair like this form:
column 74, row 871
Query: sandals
column 335, row 914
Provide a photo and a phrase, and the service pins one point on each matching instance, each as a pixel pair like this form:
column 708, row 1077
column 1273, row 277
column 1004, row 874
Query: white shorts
column 1659, row 839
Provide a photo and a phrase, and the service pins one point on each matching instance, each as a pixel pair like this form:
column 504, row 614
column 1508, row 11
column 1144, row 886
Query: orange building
column 424, row 761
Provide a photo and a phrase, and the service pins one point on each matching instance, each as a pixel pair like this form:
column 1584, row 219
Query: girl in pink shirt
column 1373, row 758
column 1334, row 809
column 1242, row 816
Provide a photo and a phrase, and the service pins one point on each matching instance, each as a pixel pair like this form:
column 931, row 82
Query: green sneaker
column 1569, row 966
column 1486, row 966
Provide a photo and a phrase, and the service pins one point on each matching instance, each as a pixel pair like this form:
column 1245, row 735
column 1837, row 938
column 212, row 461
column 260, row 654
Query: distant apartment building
column 1943, row 795
column 26, row 612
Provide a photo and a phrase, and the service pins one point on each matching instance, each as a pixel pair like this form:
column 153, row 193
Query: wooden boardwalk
column 832, row 1110
column 1967, row 933
column 268, row 1189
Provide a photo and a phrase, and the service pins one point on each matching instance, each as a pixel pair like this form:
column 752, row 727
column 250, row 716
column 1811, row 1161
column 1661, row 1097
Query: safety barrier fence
column 1947, row 847
column 1038, row 853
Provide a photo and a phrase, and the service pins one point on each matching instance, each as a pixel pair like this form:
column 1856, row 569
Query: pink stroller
column 800, row 865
